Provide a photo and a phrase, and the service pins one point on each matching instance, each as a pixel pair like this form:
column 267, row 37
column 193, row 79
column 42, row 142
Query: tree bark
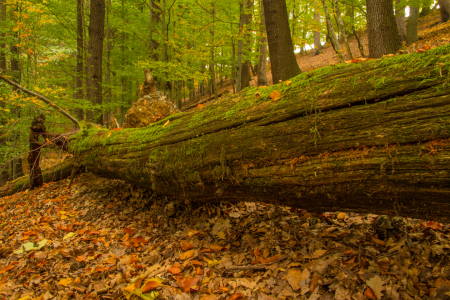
column 342, row 29
column 95, row 59
column 400, row 19
column 247, row 44
column 382, row 28
column 282, row 58
column 2, row 37
column 262, row 63
column 412, row 34
column 80, row 50
column 317, row 44
column 444, row 8
column 371, row 137
column 334, row 40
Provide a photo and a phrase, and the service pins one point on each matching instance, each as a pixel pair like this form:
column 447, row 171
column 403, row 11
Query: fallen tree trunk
column 367, row 137
column 55, row 173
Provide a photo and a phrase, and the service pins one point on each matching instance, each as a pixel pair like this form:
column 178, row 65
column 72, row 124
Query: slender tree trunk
column 150, row 45
column 107, row 112
column 95, row 60
column 246, row 66
column 212, row 63
column 262, row 64
column 412, row 34
column 317, row 44
column 360, row 46
column 283, row 62
column 233, row 67
column 2, row 37
column 80, row 50
column 332, row 33
column 444, row 8
column 400, row 19
column 122, row 79
column 382, row 28
column 342, row 27
column 240, row 45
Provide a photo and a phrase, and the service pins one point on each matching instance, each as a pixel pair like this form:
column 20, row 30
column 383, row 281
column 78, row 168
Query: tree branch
column 40, row 97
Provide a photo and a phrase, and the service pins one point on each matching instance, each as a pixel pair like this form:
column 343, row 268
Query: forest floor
column 106, row 239
column 431, row 33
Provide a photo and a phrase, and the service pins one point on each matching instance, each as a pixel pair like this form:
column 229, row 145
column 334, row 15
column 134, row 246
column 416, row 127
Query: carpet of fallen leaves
column 106, row 239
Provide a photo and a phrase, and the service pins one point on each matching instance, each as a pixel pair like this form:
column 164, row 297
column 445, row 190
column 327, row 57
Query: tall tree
column 262, row 64
column 332, row 34
column 317, row 44
column 444, row 8
column 400, row 19
column 2, row 37
column 283, row 62
column 382, row 28
column 342, row 28
column 96, row 36
column 412, row 34
column 247, row 65
column 80, row 49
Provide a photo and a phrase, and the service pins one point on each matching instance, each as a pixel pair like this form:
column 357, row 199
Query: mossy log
column 55, row 173
column 366, row 137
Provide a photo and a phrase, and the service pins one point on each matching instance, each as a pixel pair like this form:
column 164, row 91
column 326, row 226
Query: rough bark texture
column 282, row 58
column 382, row 28
column 317, row 44
column 368, row 137
column 59, row 172
column 412, row 34
column 34, row 158
column 400, row 19
column 444, row 8
column 96, row 36
column 246, row 66
column 262, row 64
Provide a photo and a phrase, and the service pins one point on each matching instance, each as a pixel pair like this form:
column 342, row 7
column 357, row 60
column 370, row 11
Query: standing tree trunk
column 246, row 66
column 282, row 58
column 382, row 28
column 444, row 8
column 240, row 45
column 96, row 36
column 332, row 33
column 262, row 64
column 212, row 63
column 412, row 34
column 317, row 44
column 107, row 112
column 80, row 49
column 2, row 38
column 400, row 19
column 426, row 7
column 342, row 28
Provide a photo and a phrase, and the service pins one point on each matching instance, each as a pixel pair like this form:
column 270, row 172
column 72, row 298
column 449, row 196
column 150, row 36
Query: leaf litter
column 106, row 239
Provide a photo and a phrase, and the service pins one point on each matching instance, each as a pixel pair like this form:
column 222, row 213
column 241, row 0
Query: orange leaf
column 149, row 285
column 275, row 95
column 288, row 82
column 6, row 269
column 130, row 288
column 175, row 269
column 199, row 271
column 185, row 245
column 81, row 258
column 167, row 123
column 196, row 263
column 128, row 230
column 216, row 247
column 187, row 284
column 200, row 106
column 236, row 296
column 378, row 242
column 187, row 254
column 369, row 294
column 139, row 240
column 434, row 225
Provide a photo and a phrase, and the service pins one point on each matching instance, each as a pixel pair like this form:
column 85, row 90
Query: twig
column 257, row 267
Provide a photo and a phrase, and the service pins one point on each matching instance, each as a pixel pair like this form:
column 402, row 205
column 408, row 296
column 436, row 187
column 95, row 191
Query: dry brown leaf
column 185, row 245
column 187, row 254
column 378, row 242
column 128, row 231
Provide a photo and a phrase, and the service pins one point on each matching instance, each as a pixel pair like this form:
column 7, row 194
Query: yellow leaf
column 130, row 288
column 341, row 216
column 288, row 82
column 77, row 280
column 275, row 95
column 65, row 282
column 109, row 134
column 36, row 89
column 69, row 235
column 187, row 254
column 167, row 123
